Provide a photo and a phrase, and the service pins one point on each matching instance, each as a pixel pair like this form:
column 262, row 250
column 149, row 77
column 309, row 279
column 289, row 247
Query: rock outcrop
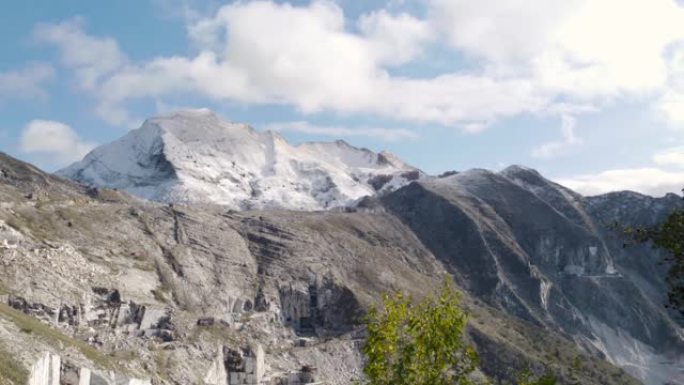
column 46, row 371
column 51, row 370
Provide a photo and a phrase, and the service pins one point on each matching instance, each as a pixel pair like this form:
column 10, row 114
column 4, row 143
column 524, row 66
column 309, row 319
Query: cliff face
column 180, row 294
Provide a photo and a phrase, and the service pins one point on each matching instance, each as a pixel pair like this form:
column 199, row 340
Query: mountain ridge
column 532, row 276
column 193, row 156
column 522, row 248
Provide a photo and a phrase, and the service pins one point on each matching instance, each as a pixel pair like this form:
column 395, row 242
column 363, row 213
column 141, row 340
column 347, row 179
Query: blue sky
column 589, row 92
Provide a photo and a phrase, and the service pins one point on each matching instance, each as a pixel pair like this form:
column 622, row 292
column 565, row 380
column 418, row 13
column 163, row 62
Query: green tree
column 419, row 344
column 668, row 236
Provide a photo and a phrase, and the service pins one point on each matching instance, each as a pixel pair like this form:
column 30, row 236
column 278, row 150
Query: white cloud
column 499, row 31
column 388, row 134
column 557, row 148
column 263, row 52
column 25, row 83
column 667, row 176
column 92, row 58
column 582, row 48
column 670, row 157
column 54, row 141
column 531, row 55
column 650, row 181
column 395, row 39
column 670, row 105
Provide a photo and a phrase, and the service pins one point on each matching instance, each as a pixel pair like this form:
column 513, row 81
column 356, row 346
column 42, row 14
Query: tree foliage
column 419, row 344
column 669, row 236
column 423, row 343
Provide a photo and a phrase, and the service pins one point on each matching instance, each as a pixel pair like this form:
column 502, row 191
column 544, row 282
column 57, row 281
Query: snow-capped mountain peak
column 194, row 156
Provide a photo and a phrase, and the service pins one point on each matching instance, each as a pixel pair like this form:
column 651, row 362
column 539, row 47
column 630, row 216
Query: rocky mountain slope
column 107, row 287
column 193, row 156
column 118, row 290
column 547, row 255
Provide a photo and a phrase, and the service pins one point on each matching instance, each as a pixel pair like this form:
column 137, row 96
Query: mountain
column 547, row 255
column 193, row 156
column 197, row 292
column 97, row 287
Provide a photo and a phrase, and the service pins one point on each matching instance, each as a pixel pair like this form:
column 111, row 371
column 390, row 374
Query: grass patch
column 3, row 289
column 161, row 359
column 11, row 371
column 125, row 355
column 28, row 324
column 39, row 226
column 215, row 332
column 144, row 266
column 160, row 295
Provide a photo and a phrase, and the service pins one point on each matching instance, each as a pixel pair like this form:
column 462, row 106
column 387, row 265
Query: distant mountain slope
column 20, row 180
column 193, row 156
column 547, row 255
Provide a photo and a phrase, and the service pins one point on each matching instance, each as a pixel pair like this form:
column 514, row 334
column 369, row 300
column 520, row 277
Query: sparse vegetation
column 3, row 290
column 424, row 343
column 215, row 332
column 33, row 326
column 11, row 371
column 526, row 377
column 161, row 358
column 160, row 294
column 668, row 236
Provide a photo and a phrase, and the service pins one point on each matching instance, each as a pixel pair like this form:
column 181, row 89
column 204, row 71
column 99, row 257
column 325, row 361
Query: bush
column 418, row 344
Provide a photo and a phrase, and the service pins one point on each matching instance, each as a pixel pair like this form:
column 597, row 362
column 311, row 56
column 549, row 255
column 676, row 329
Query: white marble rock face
column 47, row 371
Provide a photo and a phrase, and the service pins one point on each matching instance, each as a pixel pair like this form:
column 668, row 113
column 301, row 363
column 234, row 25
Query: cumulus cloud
column 92, row 58
column 666, row 177
column 395, row 39
column 263, row 52
column 25, row 83
column 670, row 157
column 670, row 104
column 53, row 141
column 387, row 134
column 499, row 31
column 530, row 55
column 583, row 48
column 558, row 148
column 650, row 181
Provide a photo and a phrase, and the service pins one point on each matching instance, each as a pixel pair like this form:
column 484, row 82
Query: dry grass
column 30, row 325
column 11, row 371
